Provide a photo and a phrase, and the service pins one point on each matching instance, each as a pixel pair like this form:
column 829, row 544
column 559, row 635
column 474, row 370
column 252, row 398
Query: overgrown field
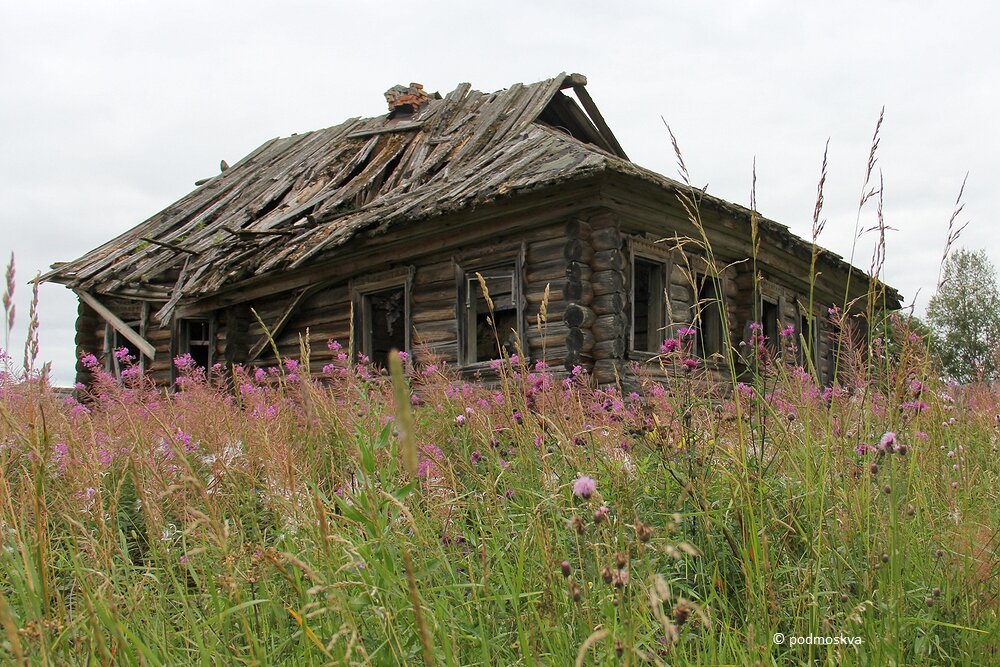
column 290, row 519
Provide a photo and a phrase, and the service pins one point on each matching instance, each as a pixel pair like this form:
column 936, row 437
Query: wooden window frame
column 649, row 253
column 701, row 281
column 111, row 340
column 466, row 266
column 361, row 289
column 180, row 342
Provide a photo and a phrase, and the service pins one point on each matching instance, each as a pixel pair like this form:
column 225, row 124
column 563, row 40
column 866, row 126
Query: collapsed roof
column 295, row 198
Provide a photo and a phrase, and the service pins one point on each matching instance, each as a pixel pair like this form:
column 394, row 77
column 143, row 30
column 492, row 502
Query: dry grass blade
column 589, row 643
column 411, row 585
column 953, row 232
column 404, row 416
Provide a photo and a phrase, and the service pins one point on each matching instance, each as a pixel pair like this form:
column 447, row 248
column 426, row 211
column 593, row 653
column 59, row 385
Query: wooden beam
column 130, row 334
column 286, row 315
column 595, row 115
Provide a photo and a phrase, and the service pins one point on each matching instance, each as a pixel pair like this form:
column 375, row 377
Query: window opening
column 484, row 340
column 647, row 305
column 709, row 325
column 383, row 324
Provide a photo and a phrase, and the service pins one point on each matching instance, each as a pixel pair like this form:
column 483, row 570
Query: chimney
column 406, row 100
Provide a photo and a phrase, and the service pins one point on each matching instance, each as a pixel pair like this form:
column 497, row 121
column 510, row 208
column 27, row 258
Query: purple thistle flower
column 670, row 345
column 584, row 487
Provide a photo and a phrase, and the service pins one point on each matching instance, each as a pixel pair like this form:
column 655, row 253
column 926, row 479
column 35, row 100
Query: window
column 708, row 317
column 490, row 335
column 769, row 322
column 807, row 341
column 486, row 333
column 114, row 341
column 382, row 314
column 648, row 304
column 195, row 338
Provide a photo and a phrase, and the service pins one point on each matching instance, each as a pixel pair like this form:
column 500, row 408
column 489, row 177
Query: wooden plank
column 125, row 330
column 595, row 115
column 259, row 346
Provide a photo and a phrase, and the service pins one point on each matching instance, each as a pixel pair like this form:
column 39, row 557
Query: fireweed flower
column 670, row 345
column 687, row 331
column 584, row 487
column 690, row 364
column 788, row 331
column 888, row 441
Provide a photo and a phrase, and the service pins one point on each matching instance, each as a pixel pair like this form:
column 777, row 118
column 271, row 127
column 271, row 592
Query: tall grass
column 278, row 524
column 364, row 517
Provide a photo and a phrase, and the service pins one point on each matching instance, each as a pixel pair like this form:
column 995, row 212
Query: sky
column 110, row 111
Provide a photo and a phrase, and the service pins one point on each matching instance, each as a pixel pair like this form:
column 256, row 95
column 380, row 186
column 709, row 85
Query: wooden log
column 609, row 327
column 608, row 371
column 439, row 314
column 536, row 292
column 608, row 303
column 577, row 229
column 608, row 260
column 579, row 316
column 602, row 219
column 609, row 349
column 545, row 271
column 608, row 282
column 578, row 250
column 578, row 271
column 607, row 238
column 436, row 293
column 545, row 251
column 575, row 358
column 579, row 292
column 580, row 339
column 680, row 293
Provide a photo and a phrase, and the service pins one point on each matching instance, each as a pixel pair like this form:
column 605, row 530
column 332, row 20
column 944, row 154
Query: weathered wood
column 111, row 318
column 438, row 314
column 577, row 229
column 578, row 250
column 607, row 238
column 580, row 339
column 579, row 292
column 608, row 327
column 546, row 251
column 277, row 327
column 544, row 272
column 578, row 271
column 579, row 316
column 609, row 349
column 608, row 282
column 536, row 291
column 608, row 260
column 609, row 371
column 608, row 303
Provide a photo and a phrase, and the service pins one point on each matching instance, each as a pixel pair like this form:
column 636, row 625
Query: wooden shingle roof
column 295, row 198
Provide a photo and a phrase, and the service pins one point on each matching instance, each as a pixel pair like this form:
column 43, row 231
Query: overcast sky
column 109, row 111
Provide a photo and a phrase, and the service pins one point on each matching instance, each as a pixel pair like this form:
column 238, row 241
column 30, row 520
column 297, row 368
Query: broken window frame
column 114, row 340
column 658, row 318
column 508, row 258
column 807, row 338
column 362, row 291
column 709, row 298
column 182, row 342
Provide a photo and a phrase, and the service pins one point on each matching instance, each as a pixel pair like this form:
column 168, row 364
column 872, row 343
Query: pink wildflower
column 584, row 487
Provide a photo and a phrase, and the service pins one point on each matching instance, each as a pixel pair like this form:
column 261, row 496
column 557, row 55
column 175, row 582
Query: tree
column 965, row 316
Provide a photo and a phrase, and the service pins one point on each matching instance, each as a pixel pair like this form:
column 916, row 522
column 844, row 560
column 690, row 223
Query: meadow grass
column 274, row 520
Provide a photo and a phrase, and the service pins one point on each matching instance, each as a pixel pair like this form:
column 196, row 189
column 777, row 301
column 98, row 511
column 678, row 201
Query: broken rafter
column 116, row 322
column 168, row 245
column 275, row 331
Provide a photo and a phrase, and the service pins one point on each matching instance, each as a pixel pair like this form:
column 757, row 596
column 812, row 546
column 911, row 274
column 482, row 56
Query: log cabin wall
column 556, row 326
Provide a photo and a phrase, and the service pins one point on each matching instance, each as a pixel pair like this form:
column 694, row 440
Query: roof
column 295, row 198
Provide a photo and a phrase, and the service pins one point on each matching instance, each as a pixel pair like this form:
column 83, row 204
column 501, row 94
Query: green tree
column 965, row 316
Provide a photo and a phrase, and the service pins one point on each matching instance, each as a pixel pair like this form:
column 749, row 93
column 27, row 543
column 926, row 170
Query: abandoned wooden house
column 382, row 224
